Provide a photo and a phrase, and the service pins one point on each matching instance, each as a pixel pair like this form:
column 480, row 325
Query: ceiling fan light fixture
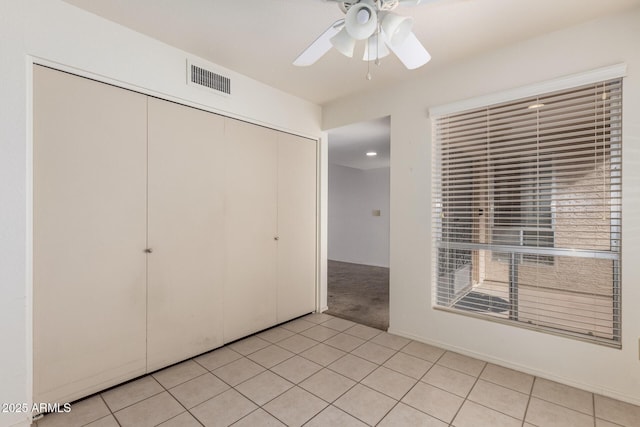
column 396, row 27
column 363, row 16
column 361, row 21
column 384, row 32
column 344, row 43
column 375, row 48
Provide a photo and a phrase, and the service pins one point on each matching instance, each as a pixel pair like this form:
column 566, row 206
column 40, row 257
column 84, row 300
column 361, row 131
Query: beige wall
column 586, row 47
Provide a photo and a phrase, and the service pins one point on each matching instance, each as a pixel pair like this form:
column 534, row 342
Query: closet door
column 296, row 226
column 251, row 224
column 186, row 232
column 90, row 179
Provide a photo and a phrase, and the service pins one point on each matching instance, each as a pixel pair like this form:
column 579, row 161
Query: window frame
column 437, row 206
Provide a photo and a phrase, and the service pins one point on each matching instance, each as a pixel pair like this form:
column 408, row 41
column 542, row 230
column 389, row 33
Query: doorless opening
column 358, row 222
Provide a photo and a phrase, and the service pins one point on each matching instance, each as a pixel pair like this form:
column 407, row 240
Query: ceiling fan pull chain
column 368, row 60
column 378, row 45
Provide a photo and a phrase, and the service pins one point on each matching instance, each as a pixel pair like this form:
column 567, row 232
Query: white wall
column 57, row 34
column 355, row 235
column 589, row 46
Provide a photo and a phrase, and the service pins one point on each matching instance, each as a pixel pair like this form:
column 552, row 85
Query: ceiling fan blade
column 320, row 46
column 410, row 52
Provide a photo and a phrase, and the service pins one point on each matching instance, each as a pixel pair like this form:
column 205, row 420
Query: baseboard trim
column 522, row 368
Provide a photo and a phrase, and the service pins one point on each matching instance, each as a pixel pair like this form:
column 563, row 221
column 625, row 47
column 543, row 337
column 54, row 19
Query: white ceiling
column 261, row 38
column 349, row 144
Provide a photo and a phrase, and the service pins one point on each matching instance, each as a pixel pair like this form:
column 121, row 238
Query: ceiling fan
column 374, row 22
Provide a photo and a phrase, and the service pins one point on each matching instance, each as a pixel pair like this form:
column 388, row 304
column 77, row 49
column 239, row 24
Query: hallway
column 359, row 293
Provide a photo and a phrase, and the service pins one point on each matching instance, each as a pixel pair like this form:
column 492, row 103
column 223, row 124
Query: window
column 523, row 215
column 526, row 211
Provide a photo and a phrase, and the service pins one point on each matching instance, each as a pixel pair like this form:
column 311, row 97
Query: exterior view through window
column 527, row 212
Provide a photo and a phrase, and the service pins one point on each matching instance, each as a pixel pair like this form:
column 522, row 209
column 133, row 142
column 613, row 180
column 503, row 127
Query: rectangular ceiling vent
column 205, row 78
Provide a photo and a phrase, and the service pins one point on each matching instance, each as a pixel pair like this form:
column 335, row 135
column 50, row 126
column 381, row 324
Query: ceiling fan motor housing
column 378, row 4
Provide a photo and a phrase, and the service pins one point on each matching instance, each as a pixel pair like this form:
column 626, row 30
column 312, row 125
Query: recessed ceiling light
column 372, row 153
column 534, row 106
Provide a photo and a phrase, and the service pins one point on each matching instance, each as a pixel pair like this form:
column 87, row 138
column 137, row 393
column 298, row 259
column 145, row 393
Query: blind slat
column 521, row 197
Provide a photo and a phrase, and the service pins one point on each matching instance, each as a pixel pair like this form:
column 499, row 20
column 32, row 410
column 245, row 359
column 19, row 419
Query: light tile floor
column 324, row 371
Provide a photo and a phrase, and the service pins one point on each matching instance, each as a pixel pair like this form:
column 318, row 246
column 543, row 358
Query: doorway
column 358, row 222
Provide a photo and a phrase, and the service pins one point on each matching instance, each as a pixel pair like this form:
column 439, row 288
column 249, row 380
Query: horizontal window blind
column 527, row 211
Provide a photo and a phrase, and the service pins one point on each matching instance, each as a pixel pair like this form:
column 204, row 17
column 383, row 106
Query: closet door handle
column 148, row 251
column 276, row 238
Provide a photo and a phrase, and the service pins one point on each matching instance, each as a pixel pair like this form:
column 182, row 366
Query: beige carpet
column 359, row 293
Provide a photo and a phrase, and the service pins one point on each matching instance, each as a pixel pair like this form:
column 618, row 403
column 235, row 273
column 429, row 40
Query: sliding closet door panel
column 296, row 226
column 90, row 179
column 186, row 232
column 251, row 222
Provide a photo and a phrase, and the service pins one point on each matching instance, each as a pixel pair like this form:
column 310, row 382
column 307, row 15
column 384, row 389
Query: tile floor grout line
column 186, row 412
column 494, row 409
column 342, row 357
column 432, row 416
column 397, row 400
column 240, row 356
column 526, row 409
column 282, row 361
column 360, row 383
column 316, row 414
column 548, row 400
column 108, row 407
column 234, row 387
column 178, row 400
column 334, row 400
column 165, row 390
column 245, row 416
column 456, row 369
column 201, row 363
column 273, row 398
column 466, row 398
column 135, row 403
column 213, row 397
column 247, row 379
column 499, row 385
column 406, row 393
column 392, row 408
column 184, row 382
column 395, row 370
column 593, row 402
column 503, row 385
column 325, row 403
column 353, row 415
column 331, row 405
column 282, row 421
